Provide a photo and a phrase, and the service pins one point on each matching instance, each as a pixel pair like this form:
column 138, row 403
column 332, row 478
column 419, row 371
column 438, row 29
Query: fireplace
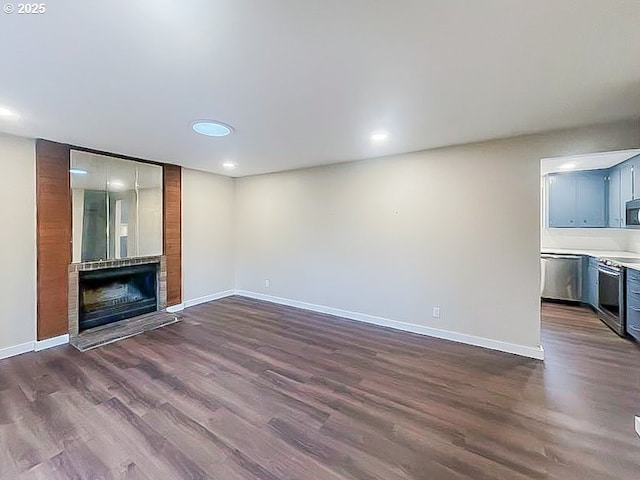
column 112, row 294
column 110, row 291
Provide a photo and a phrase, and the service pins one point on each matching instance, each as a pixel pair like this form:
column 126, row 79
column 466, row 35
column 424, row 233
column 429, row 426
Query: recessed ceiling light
column 379, row 137
column 568, row 166
column 229, row 165
column 77, row 171
column 211, row 128
column 7, row 113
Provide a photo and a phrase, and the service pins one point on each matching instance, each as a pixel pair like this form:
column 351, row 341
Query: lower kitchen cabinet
column 633, row 321
column 633, row 303
column 591, row 283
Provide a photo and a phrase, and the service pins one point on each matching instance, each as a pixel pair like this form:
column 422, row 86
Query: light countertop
column 633, row 262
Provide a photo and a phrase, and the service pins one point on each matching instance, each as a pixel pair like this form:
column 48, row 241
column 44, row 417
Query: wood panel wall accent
column 53, row 204
column 172, row 224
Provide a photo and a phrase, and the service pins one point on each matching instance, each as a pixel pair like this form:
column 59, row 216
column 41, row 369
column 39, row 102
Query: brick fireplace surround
column 74, row 280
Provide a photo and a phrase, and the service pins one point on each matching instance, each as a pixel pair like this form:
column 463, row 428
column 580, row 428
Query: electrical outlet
column 436, row 312
column 267, row 283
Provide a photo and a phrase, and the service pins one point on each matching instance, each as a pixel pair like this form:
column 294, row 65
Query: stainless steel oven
column 611, row 295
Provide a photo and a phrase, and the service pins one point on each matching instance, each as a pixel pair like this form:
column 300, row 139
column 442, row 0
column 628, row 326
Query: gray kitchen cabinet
column 633, row 165
column 633, row 322
column 591, row 283
column 562, row 200
column 626, row 186
column 590, row 199
column 577, row 199
column 615, row 212
column 633, row 303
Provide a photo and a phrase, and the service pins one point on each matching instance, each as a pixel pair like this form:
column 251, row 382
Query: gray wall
column 456, row 227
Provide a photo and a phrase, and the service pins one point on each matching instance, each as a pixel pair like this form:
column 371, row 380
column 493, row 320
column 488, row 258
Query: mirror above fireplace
column 116, row 208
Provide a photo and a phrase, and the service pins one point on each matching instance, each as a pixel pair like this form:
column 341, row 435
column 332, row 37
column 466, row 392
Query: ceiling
column 592, row 161
column 306, row 82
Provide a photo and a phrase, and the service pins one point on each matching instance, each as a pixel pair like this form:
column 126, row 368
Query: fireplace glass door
column 112, row 294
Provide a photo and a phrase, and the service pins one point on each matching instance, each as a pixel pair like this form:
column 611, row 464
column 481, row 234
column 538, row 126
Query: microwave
column 632, row 215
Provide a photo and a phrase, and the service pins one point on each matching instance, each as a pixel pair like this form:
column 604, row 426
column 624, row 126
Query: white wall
column 17, row 242
column 586, row 238
column 633, row 241
column 207, row 234
column 456, row 227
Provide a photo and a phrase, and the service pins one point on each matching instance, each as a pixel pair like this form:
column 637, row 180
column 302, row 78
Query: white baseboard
column 175, row 308
column 16, row 350
column 35, row 346
column 208, row 298
column 197, row 301
column 530, row 352
column 40, row 345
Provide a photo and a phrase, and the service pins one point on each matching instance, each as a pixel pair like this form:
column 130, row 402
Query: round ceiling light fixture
column 229, row 165
column 212, row 128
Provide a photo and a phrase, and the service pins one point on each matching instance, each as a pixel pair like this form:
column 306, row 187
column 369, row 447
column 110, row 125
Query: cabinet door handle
column 635, row 329
column 635, row 292
column 635, row 309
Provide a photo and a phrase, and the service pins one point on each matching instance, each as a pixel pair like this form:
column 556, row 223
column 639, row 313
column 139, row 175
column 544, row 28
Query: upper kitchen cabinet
column 620, row 186
column 633, row 167
column 562, row 200
column 577, row 199
column 615, row 212
column 590, row 191
column 627, row 170
column 591, row 199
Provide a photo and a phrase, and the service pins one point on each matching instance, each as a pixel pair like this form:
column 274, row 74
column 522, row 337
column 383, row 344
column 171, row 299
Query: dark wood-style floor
column 242, row 389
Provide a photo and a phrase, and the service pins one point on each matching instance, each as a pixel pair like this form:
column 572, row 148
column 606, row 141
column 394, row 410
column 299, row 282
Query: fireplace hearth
column 114, row 294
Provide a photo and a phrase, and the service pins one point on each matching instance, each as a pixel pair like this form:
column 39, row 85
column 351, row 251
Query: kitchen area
column 590, row 246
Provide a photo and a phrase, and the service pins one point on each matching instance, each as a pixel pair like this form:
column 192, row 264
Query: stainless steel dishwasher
column 561, row 277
